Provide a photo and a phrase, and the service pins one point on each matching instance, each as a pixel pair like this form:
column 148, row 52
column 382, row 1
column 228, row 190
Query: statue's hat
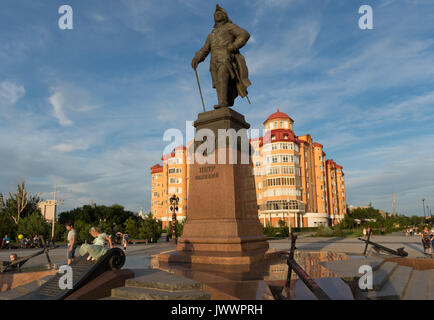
column 218, row 8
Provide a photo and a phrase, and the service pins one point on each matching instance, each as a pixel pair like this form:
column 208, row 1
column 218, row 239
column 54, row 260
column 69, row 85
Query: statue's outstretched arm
column 201, row 54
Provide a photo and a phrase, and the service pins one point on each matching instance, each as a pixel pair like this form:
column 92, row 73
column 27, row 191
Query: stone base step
column 349, row 269
column 420, row 286
column 395, row 287
column 335, row 288
column 24, row 289
column 382, row 274
column 161, row 280
column 152, row 294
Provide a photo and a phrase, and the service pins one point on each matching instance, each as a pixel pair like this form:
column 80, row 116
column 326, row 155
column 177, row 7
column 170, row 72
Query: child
column 97, row 249
column 72, row 241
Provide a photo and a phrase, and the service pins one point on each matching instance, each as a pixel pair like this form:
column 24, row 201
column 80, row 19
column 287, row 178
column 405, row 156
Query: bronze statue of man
column 228, row 68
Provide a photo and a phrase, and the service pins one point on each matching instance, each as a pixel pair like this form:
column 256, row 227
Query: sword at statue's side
column 200, row 91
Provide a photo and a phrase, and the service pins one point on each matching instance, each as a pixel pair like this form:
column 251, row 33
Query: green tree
column 60, row 232
column 111, row 218
column 82, row 229
column 21, row 203
column 150, row 228
column 132, row 227
column 33, row 224
column 7, row 226
column 348, row 223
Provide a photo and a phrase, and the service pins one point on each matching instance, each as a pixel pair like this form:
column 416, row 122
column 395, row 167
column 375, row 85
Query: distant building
column 351, row 208
column 47, row 209
column 169, row 179
column 141, row 214
column 294, row 181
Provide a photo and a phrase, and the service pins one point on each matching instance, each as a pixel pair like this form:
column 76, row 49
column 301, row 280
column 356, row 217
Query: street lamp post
column 174, row 200
column 423, row 204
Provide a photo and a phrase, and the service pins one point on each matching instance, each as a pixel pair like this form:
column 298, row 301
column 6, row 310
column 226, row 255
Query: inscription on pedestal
column 209, row 173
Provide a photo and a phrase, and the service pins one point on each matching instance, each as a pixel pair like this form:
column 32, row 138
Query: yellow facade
column 294, row 181
column 47, row 209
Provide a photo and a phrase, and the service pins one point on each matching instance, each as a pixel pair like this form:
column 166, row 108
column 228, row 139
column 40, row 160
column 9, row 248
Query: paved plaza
column 412, row 245
column 138, row 255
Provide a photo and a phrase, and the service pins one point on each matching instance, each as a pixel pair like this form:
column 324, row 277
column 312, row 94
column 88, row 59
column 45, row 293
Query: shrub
column 338, row 232
column 324, row 231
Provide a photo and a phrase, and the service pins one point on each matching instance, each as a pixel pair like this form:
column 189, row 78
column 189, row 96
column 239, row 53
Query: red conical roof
column 278, row 115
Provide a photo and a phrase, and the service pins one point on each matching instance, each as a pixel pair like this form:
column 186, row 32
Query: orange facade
column 294, row 182
column 169, row 179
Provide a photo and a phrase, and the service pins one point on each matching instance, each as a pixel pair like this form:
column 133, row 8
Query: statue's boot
column 222, row 96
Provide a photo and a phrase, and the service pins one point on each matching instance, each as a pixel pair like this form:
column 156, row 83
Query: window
column 281, row 181
column 284, row 205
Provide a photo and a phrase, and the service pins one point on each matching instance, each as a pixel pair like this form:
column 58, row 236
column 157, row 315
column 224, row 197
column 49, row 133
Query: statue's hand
column 194, row 63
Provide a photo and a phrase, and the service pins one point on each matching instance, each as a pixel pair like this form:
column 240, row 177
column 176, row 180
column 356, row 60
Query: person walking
column 431, row 236
column 426, row 241
column 125, row 239
column 72, row 241
column 364, row 233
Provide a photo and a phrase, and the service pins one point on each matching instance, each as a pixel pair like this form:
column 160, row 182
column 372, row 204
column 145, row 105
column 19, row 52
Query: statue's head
column 220, row 15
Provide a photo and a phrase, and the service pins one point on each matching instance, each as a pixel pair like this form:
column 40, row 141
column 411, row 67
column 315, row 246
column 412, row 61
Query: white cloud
column 58, row 103
column 10, row 93
column 68, row 99
column 98, row 17
column 71, row 146
column 291, row 49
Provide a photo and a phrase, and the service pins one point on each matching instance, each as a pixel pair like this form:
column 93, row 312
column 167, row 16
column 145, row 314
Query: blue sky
column 87, row 108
